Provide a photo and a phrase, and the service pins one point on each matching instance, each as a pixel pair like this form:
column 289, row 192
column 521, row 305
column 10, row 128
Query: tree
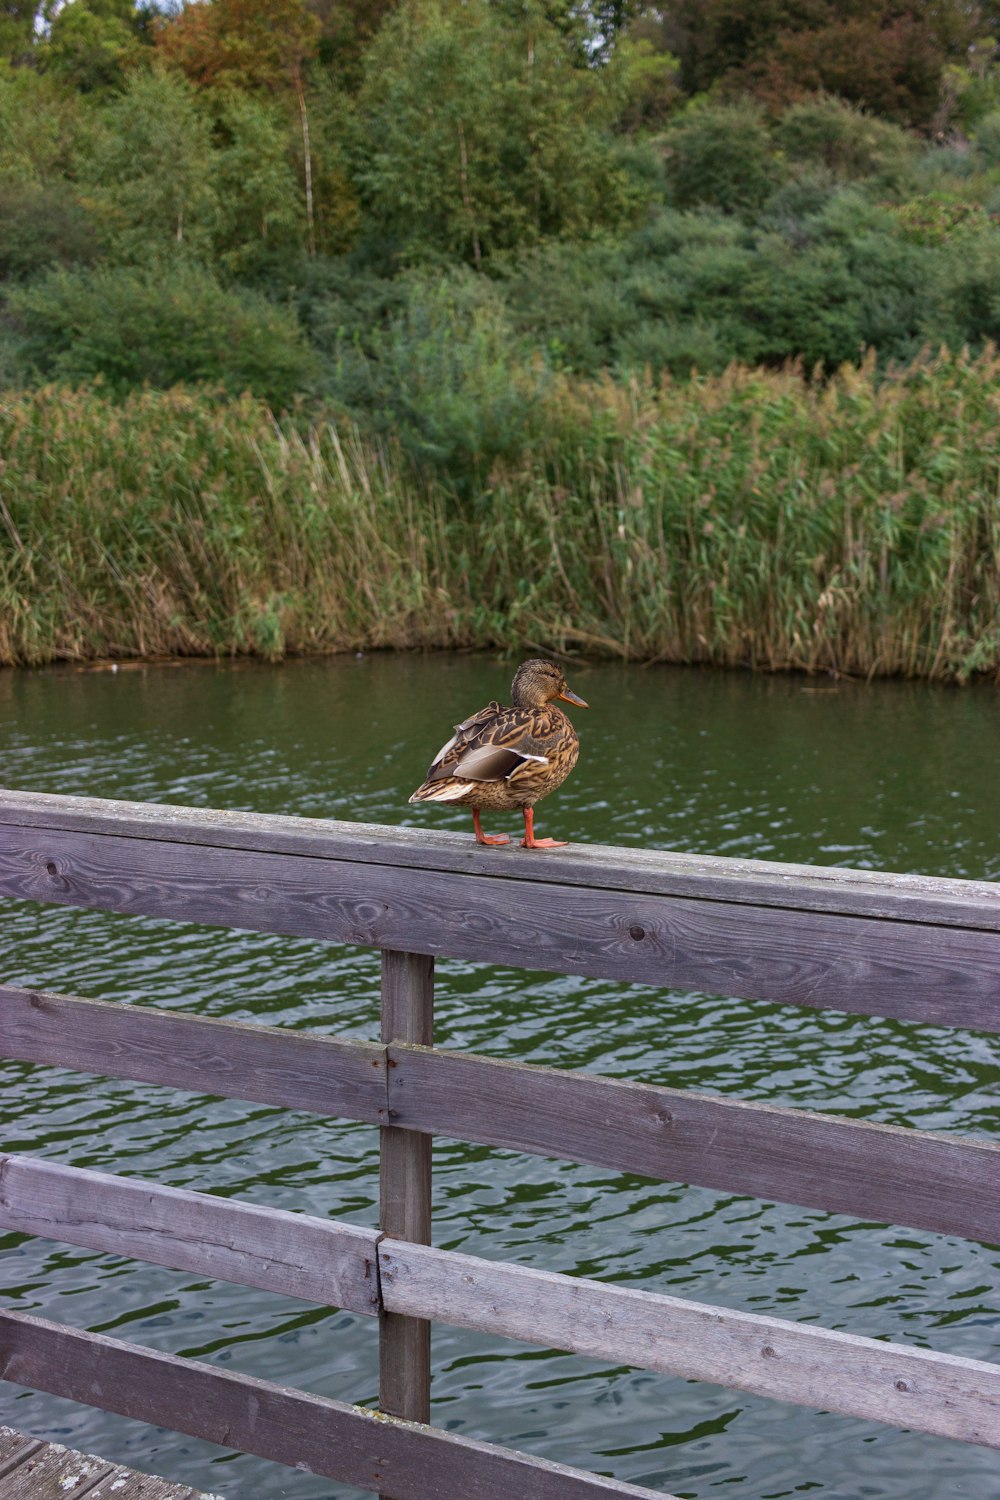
column 152, row 172
column 888, row 56
column 260, row 209
column 250, row 44
column 17, row 29
column 477, row 135
column 346, row 31
column 91, row 44
column 44, row 132
column 893, row 68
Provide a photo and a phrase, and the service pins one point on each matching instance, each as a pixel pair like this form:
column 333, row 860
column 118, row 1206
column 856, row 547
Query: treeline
column 659, row 332
column 423, row 214
column 756, row 518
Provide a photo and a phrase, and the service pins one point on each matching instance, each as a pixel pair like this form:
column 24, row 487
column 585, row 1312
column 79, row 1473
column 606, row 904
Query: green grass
column 749, row 518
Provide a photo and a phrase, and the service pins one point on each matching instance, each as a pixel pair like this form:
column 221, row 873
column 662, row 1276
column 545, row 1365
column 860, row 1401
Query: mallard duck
column 507, row 758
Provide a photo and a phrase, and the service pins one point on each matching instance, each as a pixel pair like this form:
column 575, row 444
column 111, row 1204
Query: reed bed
column 755, row 518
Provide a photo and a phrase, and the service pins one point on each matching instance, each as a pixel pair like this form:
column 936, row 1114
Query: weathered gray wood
column 128, row 1484
column 118, row 1482
column 405, row 1190
column 944, row 975
column 347, row 1443
column 317, row 1260
column 264, row 1064
column 884, row 1172
column 54, row 1473
column 919, row 898
column 15, row 1447
column 860, row 1377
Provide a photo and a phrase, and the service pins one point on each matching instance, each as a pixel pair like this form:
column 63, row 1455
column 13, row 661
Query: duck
column 509, row 758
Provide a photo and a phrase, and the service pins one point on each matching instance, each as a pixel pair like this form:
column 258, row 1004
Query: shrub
column 827, row 132
column 160, row 327
column 42, row 224
column 987, row 140
column 964, row 297
column 443, row 373
column 720, row 155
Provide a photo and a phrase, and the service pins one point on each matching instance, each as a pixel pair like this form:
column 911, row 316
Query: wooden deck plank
column 943, row 975
column 126, row 1484
column 15, row 1447
column 348, row 1443
column 317, row 1260
column 49, row 1471
column 54, row 1473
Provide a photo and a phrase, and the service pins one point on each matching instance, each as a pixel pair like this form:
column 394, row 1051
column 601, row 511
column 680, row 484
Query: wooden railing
column 924, row 949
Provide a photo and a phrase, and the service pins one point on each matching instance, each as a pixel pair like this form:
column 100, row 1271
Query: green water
column 893, row 776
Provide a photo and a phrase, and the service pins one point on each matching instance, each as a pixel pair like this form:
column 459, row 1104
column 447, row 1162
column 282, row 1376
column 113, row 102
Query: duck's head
column 537, row 683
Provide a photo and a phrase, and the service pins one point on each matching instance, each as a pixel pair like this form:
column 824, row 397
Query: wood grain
column 57, row 1473
column 263, row 1064
column 15, row 1447
column 946, row 975
column 907, row 897
column 49, row 1471
column 860, row 1377
column 881, row 1172
column 407, row 1015
column 317, row 1260
column 345, row 1443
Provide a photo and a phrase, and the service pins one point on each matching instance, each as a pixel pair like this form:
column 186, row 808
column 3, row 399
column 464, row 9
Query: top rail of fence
column 914, row 947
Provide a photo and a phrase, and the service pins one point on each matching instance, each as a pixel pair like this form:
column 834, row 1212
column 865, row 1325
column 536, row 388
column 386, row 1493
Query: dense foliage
column 444, row 224
column 420, row 211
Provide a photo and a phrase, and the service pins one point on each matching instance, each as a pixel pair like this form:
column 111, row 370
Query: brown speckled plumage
column 507, row 759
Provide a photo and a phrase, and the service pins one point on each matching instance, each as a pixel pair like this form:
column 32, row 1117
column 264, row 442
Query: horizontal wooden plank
column 50, row 1471
column 318, row 1260
column 905, row 897
column 263, row 1064
column 129, row 1484
column 15, row 1447
column 883, row 1172
column 346, row 1443
column 58, row 1473
column 860, row 1377
column 941, row 1183
column 944, row 975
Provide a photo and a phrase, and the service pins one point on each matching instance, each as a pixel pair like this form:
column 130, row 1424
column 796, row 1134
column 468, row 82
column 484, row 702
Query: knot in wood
column 637, row 932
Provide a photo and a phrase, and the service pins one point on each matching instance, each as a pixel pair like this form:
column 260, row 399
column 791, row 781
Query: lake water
column 890, row 776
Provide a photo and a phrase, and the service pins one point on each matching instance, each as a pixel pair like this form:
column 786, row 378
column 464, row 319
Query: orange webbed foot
column 486, row 838
column 530, row 842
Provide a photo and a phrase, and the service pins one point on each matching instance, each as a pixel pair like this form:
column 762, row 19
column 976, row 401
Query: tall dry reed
column 751, row 518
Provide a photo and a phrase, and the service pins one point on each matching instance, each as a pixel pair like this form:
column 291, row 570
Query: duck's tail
column 448, row 789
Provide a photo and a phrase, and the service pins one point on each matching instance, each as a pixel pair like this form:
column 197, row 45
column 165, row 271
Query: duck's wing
column 494, row 745
column 469, row 732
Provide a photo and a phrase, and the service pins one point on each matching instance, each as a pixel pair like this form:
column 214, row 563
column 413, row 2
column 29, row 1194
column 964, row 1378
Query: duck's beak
column 572, row 698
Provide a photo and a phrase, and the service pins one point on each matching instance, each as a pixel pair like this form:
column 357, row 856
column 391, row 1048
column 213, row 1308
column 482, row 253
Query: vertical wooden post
column 405, row 1191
